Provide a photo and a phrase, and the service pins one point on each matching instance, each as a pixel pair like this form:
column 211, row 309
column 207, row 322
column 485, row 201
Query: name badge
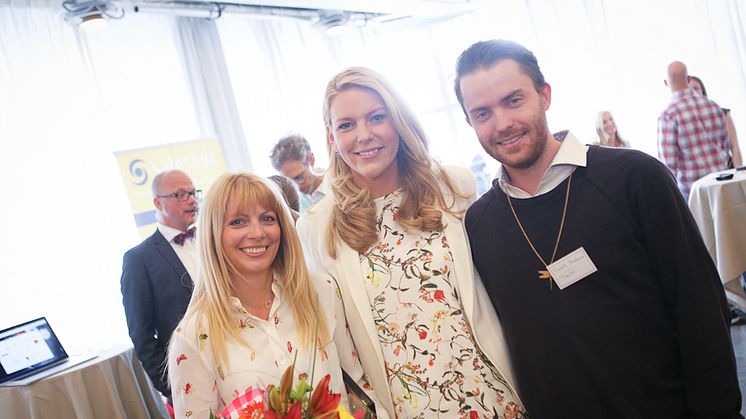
column 571, row 268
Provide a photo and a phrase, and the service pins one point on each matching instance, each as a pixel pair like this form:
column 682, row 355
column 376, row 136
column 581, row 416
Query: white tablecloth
column 720, row 210
column 111, row 386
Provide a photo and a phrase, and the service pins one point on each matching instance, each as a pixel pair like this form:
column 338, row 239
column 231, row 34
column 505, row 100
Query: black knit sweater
column 646, row 336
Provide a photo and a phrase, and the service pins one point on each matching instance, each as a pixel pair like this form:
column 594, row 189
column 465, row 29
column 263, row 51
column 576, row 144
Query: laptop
column 31, row 351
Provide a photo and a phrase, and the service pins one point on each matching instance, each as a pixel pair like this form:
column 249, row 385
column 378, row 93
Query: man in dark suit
column 157, row 274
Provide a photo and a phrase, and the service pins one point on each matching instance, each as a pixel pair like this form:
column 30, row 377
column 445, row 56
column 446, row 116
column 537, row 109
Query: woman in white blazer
column 391, row 233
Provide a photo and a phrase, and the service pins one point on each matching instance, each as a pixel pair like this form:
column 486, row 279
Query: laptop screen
column 28, row 347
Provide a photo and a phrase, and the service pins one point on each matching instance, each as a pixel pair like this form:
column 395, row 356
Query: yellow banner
column 202, row 160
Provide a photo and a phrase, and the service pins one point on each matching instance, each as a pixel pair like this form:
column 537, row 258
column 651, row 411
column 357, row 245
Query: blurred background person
column 256, row 309
column 699, row 87
column 391, row 233
column 608, row 134
column 481, row 173
column 692, row 132
column 292, row 157
column 737, row 315
column 289, row 193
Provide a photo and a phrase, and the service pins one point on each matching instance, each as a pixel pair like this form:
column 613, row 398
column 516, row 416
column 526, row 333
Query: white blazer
column 346, row 269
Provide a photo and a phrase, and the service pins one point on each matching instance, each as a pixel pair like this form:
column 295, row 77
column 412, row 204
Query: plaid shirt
column 692, row 138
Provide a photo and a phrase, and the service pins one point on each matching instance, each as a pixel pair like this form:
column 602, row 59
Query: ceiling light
column 332, row 22
column 92, row 22
column 89, row 14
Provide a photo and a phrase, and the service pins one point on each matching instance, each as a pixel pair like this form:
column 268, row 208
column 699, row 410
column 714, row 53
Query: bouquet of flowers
column 286, row 402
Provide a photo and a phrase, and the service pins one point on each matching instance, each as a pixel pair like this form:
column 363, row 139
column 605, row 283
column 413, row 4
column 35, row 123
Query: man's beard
column 537, row 143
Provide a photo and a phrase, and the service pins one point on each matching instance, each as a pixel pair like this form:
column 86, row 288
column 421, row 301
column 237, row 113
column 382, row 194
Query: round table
column 719, row 207
column 112, row 385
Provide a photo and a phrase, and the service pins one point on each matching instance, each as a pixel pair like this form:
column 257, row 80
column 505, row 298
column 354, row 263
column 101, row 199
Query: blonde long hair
column 213, row 287
column 603, row 137
column 423, row 201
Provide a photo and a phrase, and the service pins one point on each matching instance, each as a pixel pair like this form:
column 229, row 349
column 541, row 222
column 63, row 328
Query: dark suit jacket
column 156, row 289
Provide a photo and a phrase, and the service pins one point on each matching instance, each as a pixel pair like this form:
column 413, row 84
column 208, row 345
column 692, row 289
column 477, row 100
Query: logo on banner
column 202, row 160
column 139, row 172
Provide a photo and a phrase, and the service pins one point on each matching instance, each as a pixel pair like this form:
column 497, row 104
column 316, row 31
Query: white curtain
column 204, row 64
column 280, row 68
column 69, row 99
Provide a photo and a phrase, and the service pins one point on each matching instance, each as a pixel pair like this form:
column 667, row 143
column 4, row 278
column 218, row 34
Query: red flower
column 180, row 358
column 323, row 401
column 423, row 333
column 251, row 412
column 473, row 415
column 269, row 414
column 187, row 388
column 290, row 347
column 439, row 295
column 295, row 412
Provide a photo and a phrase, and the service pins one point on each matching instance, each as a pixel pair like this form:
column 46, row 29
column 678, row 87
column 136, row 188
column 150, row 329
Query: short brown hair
column 290, row 147
column 485, row 54
column 288, row 191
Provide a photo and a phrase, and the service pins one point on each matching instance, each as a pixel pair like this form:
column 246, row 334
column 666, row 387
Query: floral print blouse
column 434, row 366
column 200, row 387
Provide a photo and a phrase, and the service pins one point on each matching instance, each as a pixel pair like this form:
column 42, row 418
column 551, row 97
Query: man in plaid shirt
column 692, row 135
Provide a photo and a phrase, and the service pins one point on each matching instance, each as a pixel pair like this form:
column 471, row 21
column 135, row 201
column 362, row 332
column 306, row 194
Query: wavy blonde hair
column 423, row 201
column 214, row 288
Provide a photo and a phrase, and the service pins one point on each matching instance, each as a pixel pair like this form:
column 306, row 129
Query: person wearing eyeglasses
column 157, row 274
column 292, row 157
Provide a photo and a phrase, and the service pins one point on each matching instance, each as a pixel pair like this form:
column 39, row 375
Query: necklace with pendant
column 544, row 273
column 265, row 305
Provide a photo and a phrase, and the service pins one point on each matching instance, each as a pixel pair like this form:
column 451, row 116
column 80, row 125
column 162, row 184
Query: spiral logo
column 138, row 172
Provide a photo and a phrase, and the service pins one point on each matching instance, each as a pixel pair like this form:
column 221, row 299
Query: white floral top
column 199, row 387
column 433, row 364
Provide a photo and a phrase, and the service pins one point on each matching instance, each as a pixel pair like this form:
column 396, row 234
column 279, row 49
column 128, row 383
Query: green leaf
column 299, row 393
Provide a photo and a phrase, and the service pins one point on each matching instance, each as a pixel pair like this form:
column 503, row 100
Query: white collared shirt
column 570, row 155
column 187, row 253
column 200, row 387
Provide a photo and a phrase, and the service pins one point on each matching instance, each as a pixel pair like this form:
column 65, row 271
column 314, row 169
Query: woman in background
column 696, row 84
column 255, row 307
column 608, row 134
column 391, row 233
column 287, row 187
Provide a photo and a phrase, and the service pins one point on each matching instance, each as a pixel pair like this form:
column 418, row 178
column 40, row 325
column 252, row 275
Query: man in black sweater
column 610, row 303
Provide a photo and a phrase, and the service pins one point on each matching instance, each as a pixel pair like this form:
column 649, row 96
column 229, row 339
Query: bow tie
column 180, row 238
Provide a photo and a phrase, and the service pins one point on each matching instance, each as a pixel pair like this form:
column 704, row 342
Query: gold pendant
column 546, row 275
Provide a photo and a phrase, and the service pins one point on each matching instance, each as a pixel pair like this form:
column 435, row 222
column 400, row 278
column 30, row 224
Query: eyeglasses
column 300, row 178
column 182, row 196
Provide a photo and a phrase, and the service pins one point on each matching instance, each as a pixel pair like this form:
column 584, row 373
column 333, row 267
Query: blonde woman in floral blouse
column 255, row 306
column 391, row 233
